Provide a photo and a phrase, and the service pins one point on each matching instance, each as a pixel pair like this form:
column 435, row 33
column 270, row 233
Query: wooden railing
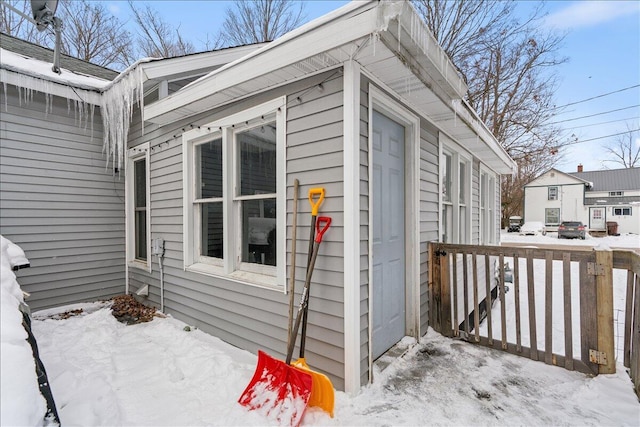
column 550, row 305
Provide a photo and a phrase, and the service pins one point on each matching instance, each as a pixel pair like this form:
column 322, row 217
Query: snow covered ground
column 103, row 372
column 623, row 241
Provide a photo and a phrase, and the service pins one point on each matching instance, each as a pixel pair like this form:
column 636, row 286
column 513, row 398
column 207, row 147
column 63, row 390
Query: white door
column 388, row 317
column 597, row 218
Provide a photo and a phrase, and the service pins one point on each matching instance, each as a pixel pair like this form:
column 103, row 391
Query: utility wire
column 601, row 123
column 594, row 115
column 600, row 137
column 596, row 97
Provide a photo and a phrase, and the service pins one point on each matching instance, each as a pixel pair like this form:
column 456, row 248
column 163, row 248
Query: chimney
column 580, row 167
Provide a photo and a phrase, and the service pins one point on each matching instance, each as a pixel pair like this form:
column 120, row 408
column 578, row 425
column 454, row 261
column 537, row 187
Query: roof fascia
column 188, row 65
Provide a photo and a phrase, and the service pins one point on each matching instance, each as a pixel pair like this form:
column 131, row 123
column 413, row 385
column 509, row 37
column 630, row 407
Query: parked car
column 515, row 222
column 572, row 229
column 533, row 228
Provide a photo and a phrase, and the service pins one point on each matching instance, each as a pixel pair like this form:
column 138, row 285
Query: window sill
column 140, row 265
column 243, row 277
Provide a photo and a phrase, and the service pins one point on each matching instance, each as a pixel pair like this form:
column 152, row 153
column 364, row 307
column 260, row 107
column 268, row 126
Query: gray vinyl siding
column 364, row 231
column 59, row 202
column 475, row 199
column 247, row 316
column 429, row 210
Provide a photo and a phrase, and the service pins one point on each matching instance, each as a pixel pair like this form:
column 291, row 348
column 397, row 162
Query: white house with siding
column 362, row 102
column 593, row 197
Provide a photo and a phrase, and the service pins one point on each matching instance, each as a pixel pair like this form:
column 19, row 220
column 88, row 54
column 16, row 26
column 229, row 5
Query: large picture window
column 235, row 200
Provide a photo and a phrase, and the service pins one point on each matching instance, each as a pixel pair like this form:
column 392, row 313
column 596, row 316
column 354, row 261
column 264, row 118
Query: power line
column 593, row 115
column 600, row 137
column 602, row 123
column 596, row 97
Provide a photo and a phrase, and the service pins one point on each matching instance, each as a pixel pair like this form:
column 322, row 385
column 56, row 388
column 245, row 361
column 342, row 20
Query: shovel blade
column 278, row 391
column 322, row 392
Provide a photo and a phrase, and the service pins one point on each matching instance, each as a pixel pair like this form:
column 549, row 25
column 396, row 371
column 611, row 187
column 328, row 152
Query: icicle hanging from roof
column 117, row 105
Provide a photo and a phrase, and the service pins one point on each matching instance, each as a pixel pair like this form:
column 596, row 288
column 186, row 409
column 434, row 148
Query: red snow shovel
column 277, row 389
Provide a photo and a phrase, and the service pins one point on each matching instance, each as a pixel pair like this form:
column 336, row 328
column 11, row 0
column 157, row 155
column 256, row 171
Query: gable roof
column 612, row 179
column 44, row 54
column 549, row 174
column 391, row 45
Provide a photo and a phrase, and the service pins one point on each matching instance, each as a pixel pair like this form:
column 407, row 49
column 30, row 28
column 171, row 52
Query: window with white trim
column 137, row 201
column 447, row 199
column 487, row 207
column 553, row 193
column 235, row 196
column 552, row 216
column 625, row 211
column 455, row 187
column 616, row 193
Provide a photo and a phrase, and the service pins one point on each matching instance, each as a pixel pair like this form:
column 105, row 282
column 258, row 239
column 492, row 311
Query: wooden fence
column 550, row 305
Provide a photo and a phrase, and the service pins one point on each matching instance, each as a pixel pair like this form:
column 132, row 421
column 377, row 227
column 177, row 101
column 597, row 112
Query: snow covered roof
column 45, row 54
column 33, row 74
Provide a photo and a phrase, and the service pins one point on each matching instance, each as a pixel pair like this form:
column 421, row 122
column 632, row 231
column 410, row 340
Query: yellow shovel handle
column 315, row 205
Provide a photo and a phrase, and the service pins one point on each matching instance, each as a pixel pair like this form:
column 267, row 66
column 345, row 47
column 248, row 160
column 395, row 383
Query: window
column 447, row 205
column 487, row 207
column 455, row 189
column 235, row 196
column 553, row 193
column 137, row 201
column 626, row 211
column 616, row 193
column 552, row 216
column 463, row 201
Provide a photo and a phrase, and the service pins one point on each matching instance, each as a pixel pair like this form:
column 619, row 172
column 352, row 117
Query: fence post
column 604, row 309
column 434, row 289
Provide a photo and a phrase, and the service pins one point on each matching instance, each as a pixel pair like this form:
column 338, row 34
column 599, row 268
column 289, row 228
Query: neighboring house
column 362, row 102
column 594, row 197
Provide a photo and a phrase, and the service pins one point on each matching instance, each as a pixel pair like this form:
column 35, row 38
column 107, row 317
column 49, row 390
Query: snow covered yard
column 106, row 373
column 103, row 372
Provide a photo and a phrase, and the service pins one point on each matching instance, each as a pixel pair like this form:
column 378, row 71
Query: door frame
column 384, row 104
column 604, row 217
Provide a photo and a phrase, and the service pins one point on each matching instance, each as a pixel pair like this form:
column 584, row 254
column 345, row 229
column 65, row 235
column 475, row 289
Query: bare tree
column 93, row 34
column 16, row 25
column 625, row 148
column 157, row 38
column 90, row 32
column 255, row 21
column 509, row 67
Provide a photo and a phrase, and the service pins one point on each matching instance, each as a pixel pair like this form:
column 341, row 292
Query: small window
column 552, row 216
column 616, row 193
column 137, row 207
column 140, row 207
column 553, row 193
column 626, row 211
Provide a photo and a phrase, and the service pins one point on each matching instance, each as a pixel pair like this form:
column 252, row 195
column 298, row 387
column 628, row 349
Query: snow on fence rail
column 551, row 305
